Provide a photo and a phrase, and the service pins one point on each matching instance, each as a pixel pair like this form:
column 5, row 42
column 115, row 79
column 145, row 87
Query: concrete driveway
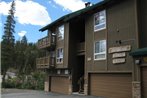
column 16, row 93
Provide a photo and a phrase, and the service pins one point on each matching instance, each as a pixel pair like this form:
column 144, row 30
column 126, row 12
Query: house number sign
column 117, row 55
column 120, row 49
column 119, row 60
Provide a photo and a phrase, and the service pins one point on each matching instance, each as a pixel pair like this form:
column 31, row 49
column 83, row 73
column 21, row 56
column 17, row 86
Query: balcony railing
column 46, row 42
column 45, row 62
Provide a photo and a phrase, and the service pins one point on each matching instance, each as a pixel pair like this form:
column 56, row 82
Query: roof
column 78, row 13
column 139, row 52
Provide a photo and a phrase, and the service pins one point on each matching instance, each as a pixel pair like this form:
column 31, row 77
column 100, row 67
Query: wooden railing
column 81, row 47
column 45, row 62
column 44, row 42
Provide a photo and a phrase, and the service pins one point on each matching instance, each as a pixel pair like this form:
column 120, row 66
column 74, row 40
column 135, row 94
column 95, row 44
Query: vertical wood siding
column 60, row 84
column 111, row 85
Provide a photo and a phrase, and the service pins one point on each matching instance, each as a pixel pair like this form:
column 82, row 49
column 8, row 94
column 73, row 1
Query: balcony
column 81, row 48
column 45, row 62
column 46, row 42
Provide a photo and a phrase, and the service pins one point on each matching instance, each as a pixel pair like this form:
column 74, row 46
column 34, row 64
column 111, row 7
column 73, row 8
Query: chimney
column 87, row 4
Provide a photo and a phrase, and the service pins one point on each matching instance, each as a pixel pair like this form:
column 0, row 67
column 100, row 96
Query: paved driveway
column 15, row 93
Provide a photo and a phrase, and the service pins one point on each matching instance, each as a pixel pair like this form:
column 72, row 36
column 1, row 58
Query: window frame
column 62, row 36
column 99, row 29
column 58, row 58
column 100, row 53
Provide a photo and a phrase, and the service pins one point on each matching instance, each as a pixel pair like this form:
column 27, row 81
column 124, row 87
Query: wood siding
column 121, row 25
column 64, row 44
column 144, row 82
column 111, row 85
column 60, row 84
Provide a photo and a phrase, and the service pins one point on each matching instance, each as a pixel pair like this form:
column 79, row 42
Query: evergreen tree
column 24, row 40
column 25, row 56
column 7, row 44
column 20, row 52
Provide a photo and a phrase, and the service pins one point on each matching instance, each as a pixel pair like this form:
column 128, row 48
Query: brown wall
column 121, row 25
column 66, row 45
column 63, row 44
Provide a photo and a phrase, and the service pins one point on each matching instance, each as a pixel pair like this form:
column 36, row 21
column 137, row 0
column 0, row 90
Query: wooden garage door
column 60, row 84
column 144, row 82
column 111, row 85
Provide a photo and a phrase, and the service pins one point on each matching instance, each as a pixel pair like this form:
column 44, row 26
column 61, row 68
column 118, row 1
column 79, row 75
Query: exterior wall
column 89, row 44
column 121, row 21
column 59, row 80
column 66, row 46
column 121, row 25
column 89, row 51
column 63, row 44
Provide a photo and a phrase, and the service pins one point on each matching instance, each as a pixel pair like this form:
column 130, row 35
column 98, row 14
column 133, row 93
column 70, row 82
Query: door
column 60, row 84
column 111, row 85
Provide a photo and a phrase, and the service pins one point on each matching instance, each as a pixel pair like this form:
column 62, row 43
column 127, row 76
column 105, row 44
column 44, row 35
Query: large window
column 100, row 20
column 100, row 50
column 60, row 55
column 61, row 32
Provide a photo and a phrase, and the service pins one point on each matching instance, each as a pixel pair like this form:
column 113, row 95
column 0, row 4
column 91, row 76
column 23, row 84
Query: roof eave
column 139, row 52
column 75, row 14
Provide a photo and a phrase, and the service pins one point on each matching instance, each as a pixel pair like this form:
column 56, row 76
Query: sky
column 32, row 15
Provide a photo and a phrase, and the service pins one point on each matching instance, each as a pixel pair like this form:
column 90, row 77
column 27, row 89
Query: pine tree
column 7, row 44
column 20, row 52
column 24, row 40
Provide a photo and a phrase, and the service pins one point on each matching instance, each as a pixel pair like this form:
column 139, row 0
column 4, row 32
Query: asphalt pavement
column 18, row 93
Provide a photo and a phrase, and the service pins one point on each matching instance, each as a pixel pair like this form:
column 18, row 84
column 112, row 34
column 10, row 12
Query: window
column 60, row 55
column 61, row 32
column 100, row 50
column 100, row 20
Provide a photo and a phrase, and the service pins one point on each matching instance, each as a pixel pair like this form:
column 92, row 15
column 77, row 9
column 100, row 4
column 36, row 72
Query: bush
column 38, row 80
column 34, row 81
column 9, row 83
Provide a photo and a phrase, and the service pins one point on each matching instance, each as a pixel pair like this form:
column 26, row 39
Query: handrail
column 45, row 62
column 44, row 42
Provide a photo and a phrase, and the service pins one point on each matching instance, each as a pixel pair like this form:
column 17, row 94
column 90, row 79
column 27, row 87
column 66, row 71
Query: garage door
column 144, row 82
column 111, row 85
column 60, row 85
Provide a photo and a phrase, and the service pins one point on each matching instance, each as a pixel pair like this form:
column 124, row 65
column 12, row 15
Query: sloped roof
column 139, row 52
column 79, row 12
